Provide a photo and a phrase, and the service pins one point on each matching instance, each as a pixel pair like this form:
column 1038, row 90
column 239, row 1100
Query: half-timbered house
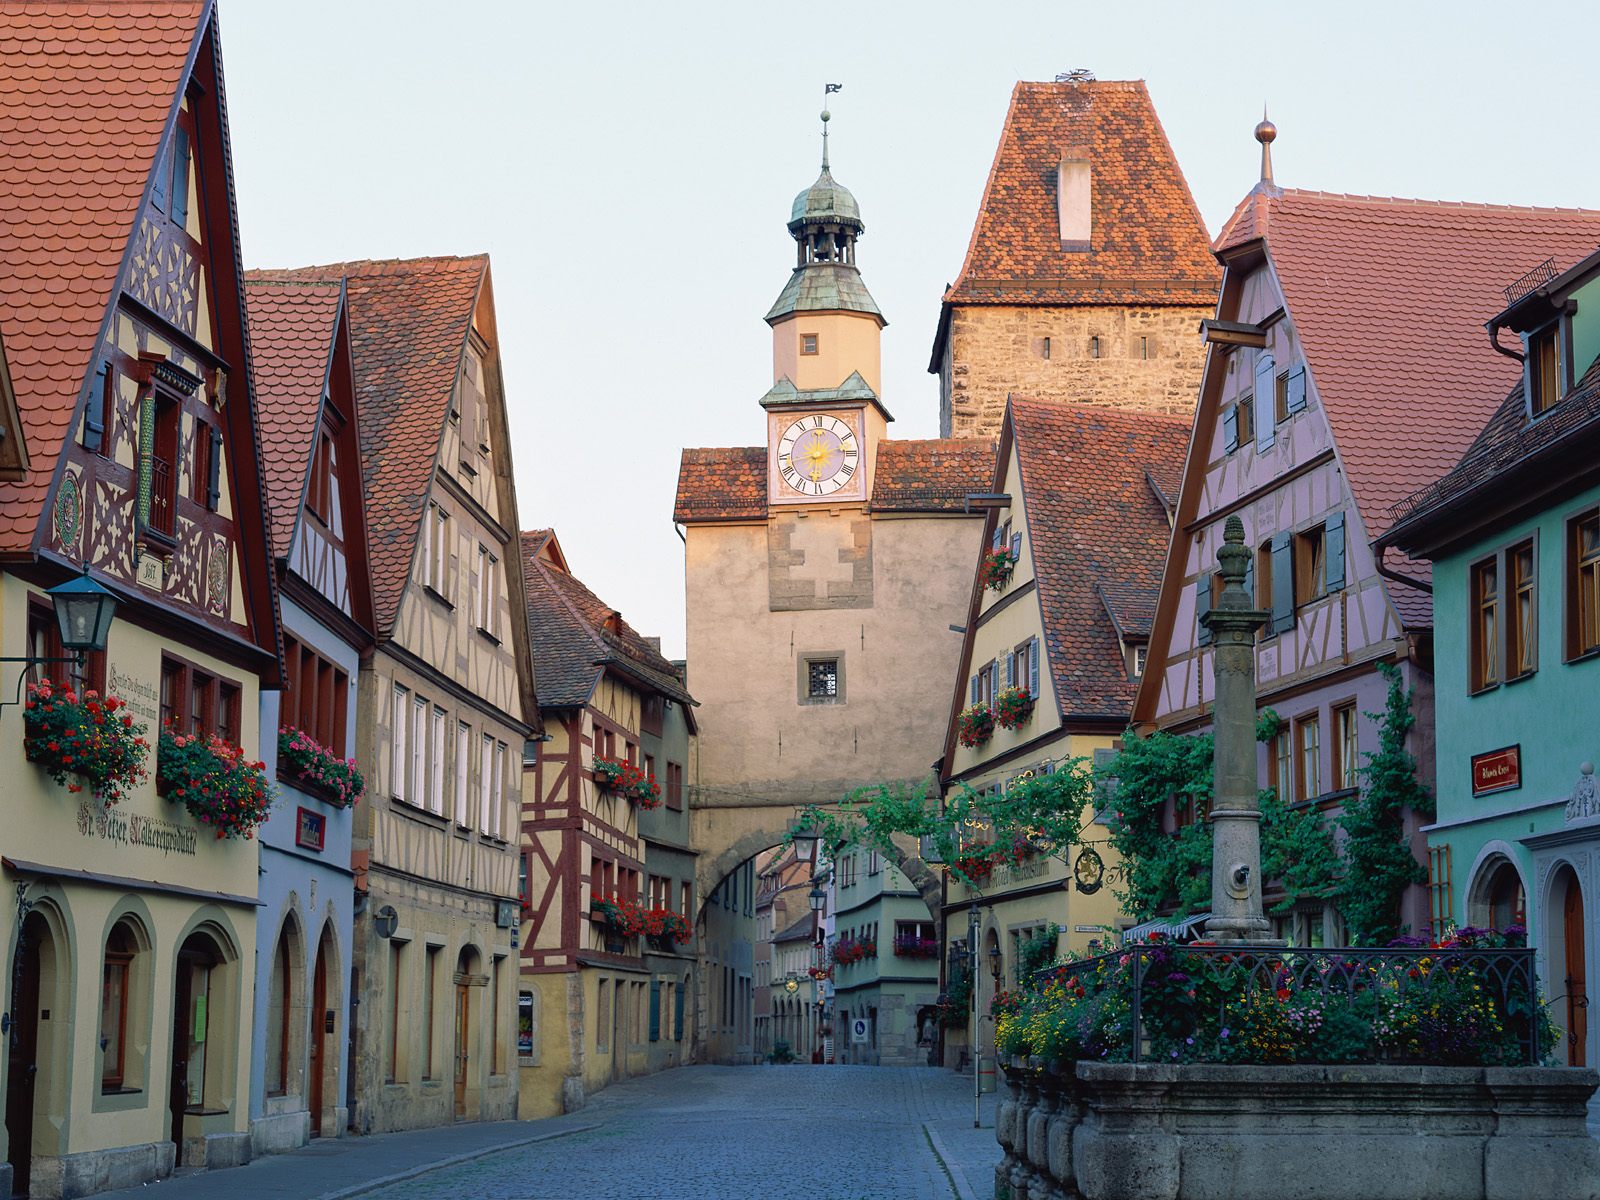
column 133, row 934
column 591, row 999
column 311, row 458
column 1346, row 366
column 445, row 699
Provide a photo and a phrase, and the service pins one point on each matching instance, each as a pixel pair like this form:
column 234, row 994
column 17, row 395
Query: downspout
column 1387, row 573
column 1494, row 344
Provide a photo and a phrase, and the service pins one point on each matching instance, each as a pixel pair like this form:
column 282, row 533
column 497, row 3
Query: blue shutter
column 997, row 538
column 1282, row 582
column 214, row 466
column 158, row 185
column 1297, row 388
column 1266, row 402
column 1333, row 552
column 1011, row 670
column 180, row 178
column 1016, row 545
column 1266, row 432
column 1250, row 578
column 677, row 1014
column 655, row 1010
column 1230, row 429
column 974, row 698
column 1033, row 667
column 94, row 412
column 1202, row 608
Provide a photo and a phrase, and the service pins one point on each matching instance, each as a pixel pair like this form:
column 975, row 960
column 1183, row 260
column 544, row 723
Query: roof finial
column 1265, row 133
column 828, row 89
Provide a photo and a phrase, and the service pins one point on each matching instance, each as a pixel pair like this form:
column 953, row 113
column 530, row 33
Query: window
column 44, row 641
column 319, row 488
column 986, row 683
column 497, row 1064
column 417, row 785
column 485, row 782
column 463, row 785
column 1280, row 397
column 1346, row 753
column 808, row 343
column 1544, row 384
column 1022, row 667
column 195, row 701
column 822, row 679
column 1485, row 624
column 116, row 980
column 1311, row 566
column 1583, row 584
column 1521, row 621
column 395, row 1063
column 1441, row 902
column 1239, row 425
column 430, row 983
column 1308, row 758
column 874, row 862
column 227, row 713
column 400, row 760
column 316, row 696
column 1278, row 765
column 436, row 775
column 675, row 786
column 1139, row 655
column 162, row 461
column 1074, row 208
column 207, row 466
column 489, row 591
column 477, row 585
column 847, row 871
column 1044, row 348
column 497, row 803
column 434, row 559
column 1094, row 347
column 1144, row 346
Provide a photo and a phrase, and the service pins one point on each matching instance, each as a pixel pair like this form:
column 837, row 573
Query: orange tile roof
column 292, row 325
column 86, row 90
column 1389, row 299
column 722, row 484
column 931, row 475
column 1096, row 529
column 408, row 330
column 1148, row 242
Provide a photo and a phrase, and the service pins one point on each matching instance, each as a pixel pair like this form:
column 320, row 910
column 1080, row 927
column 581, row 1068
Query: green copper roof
column 824, row 201
column 824, row 287
column 855, row 388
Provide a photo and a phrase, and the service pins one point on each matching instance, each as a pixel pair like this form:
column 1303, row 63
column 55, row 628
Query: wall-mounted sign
column 859, row 1031
column 1497, row 770
column 310, row 829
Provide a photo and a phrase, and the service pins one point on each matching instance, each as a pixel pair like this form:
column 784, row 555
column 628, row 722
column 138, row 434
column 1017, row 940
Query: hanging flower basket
column 820, row 972
column 976, row 867
column 666, row 928
column 86, row 740
column 310, row 765
column 624, row 779
column 995, row 570
column 975, row 726
column 215, row 781
column 1013, row 708
column 619, row 917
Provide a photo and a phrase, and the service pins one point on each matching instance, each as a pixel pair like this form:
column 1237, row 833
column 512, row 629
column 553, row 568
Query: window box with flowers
column 86, row 740
column 1013, row 707
column 312, row 767
column 215, row 781
column 854, row 950
column 624, row 779
column 912, row 946
column 975, row 725
column 994, row 572
column 619, row 917
column 665, row 929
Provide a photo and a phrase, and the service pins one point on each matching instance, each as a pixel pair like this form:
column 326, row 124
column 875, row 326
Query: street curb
column 952, row 1168
column 372, row 1185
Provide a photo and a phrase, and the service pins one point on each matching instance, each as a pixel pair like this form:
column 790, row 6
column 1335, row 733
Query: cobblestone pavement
column 742, row 1133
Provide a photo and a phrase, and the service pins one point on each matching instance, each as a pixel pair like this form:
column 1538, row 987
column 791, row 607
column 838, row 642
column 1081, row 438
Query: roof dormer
column 1074, row 193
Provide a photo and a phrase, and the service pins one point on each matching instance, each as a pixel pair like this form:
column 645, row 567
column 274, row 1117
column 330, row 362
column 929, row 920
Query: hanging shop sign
column 1497, row 770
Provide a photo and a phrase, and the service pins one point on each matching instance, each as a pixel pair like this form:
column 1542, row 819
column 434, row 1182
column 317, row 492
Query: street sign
column 858, row 1031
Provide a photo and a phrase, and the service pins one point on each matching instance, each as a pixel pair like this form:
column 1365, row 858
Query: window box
column 214, row 781
column 618, row 917
column 84, row 740
column 313, row 768
column 975, row 725
column 994, row 572
column 1013, row 708
column 621, row 778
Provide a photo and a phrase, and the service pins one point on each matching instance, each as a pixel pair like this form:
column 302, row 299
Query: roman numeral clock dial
column 818, row 455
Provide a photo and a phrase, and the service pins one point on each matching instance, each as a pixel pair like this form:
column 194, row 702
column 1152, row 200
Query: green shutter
column 1282, row 582
column 1230, row 429
column 677, row 1014
column 1333, row 552
column 1202, row 608
column 655, row 1010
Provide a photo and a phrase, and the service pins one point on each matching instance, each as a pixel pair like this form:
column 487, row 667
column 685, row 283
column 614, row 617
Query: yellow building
column 1060, row 615
column 131, row 940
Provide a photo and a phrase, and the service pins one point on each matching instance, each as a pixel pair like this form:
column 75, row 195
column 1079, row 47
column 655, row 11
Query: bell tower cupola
column 825, row 324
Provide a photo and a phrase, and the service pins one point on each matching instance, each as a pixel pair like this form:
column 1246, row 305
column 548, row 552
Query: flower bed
column 1013, row 707
column 619, row 916
column 215, row 781
column 916, row 947
column 312, row 766
column 975, row 725
column 625, row 779
column 995, row 570
column 86, row 738
column 1451, row 1004
column 854, row 950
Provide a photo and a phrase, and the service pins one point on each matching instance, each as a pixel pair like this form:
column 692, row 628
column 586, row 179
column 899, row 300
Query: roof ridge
column 354, row 265
column 276, row 281
column 1037, row 404
column 1463, row 205
column 1101, row 85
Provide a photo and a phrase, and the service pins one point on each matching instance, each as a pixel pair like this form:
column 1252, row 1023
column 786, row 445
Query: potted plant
column 311, row 766
column 619, row 916
column 665, row 928
column 994, row 572
column 88, row 738
column 215, row 781
column 975, row 725
column 1013, row 706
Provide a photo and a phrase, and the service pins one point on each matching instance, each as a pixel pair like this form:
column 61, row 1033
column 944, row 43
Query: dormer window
column 1544, row 381
column 1073, row 201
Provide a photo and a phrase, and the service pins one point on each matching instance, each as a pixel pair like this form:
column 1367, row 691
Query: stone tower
column 1089, row 268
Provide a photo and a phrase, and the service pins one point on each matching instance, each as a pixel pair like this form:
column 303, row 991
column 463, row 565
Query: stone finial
column 1233, row 558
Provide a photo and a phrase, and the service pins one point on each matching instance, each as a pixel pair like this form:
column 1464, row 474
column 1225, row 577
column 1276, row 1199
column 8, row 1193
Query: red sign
column 310, row 829
column 1497, row 771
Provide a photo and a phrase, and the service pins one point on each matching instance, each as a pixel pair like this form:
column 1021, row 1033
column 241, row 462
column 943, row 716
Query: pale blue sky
column 630, row 167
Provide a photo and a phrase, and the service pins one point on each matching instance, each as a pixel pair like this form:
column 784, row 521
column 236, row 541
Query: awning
column 1176, row 930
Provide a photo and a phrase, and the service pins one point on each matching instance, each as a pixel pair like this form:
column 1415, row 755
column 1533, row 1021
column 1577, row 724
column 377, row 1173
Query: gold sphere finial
column 1266, row 131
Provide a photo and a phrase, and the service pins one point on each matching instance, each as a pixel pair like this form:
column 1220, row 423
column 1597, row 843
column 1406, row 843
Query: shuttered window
column 1282, row 582
column 96, row 412
column 677, row 1011
column 1333, row 551
column 1295, row 387
column 655, row 1010
column 1202, row 607
column 1230, row 429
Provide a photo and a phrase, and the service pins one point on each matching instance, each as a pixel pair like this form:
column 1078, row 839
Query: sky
column 629, row 168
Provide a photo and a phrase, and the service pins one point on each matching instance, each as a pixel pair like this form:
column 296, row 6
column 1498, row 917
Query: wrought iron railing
column 1522, row 285
column 1164, row 1002
column 161, row 496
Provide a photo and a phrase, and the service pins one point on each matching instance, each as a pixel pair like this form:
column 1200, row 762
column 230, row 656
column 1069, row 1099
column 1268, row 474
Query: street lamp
column 84, row 611
column 994, row 962
column 974, row 920
column 817, row 897
column 803, row 833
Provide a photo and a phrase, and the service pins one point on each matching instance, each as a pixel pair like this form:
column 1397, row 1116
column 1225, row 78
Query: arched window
column 279, row 1006
column 1505, row 899
column 116, row 992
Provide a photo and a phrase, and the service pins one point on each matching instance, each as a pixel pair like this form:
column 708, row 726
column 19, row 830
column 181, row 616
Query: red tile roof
column 1148, row 242
column 1098, row 535
column 85, row 93
column 408, row 330
column 1388, row 297
column 722, row 484
column 292, row 325
column 931, row 475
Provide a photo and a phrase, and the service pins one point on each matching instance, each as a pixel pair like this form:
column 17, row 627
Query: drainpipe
column 1388, row 573
column 1494, row 344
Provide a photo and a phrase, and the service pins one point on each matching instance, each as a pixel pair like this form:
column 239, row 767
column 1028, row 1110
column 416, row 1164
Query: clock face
column 818, row 455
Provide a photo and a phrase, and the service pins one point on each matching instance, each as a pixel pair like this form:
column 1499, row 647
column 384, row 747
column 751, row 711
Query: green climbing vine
column 1378, row 862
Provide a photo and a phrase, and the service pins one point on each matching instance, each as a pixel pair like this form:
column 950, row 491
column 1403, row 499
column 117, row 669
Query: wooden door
column 178, row 1088
column 618, row 1029
column 321, row 1018
column 463, row 1029
column 24, row 1056
column 1577, row 985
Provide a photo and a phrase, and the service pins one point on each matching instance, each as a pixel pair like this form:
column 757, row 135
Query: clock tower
column 824, row 417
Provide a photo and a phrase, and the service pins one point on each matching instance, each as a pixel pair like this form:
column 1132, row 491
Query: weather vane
column 828, row 89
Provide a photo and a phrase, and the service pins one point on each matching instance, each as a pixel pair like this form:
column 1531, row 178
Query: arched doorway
column 1568, row 898
column 1496, row 899
column 192, row 1017
column 322, row 1049
column 466, row 973
column 34, row 986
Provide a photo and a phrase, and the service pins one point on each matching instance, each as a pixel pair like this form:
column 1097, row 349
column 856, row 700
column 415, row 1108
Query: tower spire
column 1266, row 132
column 828, row 89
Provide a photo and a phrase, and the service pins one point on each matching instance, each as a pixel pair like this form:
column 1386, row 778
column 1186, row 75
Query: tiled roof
column 802, row 930
column 1096, row 531
column 291, row 340
column 824, row 287
column 1148, row 244
column 727, row 484
column 575, row 635
column 408, row 329
column 931, row 475
column 85, row 92
column 1388, row 298
column 1132, row 608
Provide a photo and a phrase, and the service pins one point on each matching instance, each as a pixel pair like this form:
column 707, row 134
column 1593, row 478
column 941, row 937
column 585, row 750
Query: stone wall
column 1116, row 1131
column 1150, row 360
